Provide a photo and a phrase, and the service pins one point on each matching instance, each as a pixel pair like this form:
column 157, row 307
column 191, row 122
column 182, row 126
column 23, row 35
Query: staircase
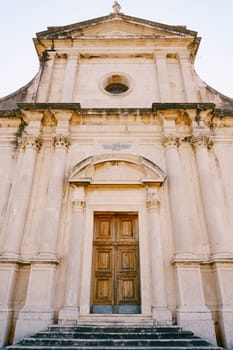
column 113, row 337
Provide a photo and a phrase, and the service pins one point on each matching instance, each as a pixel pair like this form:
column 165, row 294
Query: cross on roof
column 116, row 7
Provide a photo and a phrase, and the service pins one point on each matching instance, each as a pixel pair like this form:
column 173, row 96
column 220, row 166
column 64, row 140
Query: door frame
column 144, row 262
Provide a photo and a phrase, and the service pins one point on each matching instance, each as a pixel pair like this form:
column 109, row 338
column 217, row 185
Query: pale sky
column 21, row 19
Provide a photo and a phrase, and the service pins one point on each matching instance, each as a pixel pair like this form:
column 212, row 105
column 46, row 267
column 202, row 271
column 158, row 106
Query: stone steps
column 113, row 337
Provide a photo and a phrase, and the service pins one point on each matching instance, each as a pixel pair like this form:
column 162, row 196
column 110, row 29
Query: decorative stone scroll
column 61, row 141
column 201, row 141
column 171, row 141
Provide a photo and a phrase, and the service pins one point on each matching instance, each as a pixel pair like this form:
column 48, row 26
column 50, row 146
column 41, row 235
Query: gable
column 117, row 28
column 113, row 25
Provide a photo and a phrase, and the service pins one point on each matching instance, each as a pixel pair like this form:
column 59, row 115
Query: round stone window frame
column 118, row 78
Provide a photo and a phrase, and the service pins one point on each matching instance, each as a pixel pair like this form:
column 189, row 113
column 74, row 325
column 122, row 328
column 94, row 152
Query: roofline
column 120, row 16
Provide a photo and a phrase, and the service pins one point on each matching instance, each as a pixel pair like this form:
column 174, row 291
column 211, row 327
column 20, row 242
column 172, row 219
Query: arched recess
column 112, row 187
column 116, row 169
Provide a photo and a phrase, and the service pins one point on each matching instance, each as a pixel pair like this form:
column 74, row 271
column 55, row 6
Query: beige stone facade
column 116, row 130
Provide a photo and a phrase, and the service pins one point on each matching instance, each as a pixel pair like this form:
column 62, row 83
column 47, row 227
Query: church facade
column 116, row 185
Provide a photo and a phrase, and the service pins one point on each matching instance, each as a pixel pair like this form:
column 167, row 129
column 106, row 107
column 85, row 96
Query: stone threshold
column 116, row 319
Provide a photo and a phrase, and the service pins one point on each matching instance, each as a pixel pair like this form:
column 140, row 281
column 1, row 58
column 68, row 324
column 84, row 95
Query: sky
column 20, row 20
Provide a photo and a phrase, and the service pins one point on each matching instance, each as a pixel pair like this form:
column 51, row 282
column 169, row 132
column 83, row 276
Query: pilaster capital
column 78, row 199
column 78, row 205
column 160, row 55
column 153, row 201
column 61, row 141
column 72, row 56
column 31, row 141
column 171, row 141
column 201, row 141
column 183, row 57
column 51, row 54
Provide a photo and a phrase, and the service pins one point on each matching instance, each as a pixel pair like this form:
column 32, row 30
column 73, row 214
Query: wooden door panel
column 103, row 260
column 128, row 290
column 104, row 228
column 127, row 229
column 103, row 290
column 115, row 264
column 127, row 259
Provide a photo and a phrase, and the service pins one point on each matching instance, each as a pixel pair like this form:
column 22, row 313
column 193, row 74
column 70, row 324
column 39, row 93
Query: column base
column 5, row 326
column 68, row 316
column 226, row 327
column 161, row 316
column 31, row 321
column 199, row 322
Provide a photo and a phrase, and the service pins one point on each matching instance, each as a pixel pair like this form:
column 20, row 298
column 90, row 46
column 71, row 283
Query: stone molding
column 201, row 141
column 61, row 141
column 171, row 141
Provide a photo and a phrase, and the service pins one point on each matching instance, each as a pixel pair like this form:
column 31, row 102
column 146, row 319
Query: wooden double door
column 115, row 268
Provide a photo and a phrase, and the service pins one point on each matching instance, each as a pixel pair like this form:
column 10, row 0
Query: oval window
column 116, row 88
column 116, row 84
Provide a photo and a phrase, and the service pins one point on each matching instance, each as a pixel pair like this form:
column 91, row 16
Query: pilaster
column 16, row 216
column 47, row 71
column 180, row 225
column 38, row 309
column 160, row 313
column 37, row 312
column 8, row 160
column 224, row 278
column 22, row 192
column 219, row 236
column 52, row 210
column 188, row 79
column 162, row 71
column 8, row 271
column 70, row 78
column 192, row 312
column 70, row 311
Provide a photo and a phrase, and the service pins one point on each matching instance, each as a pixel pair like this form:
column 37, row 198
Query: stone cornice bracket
column 30, row 141
column 201, row 141
column 153, row 201
column 61, row 141
column 171, row 141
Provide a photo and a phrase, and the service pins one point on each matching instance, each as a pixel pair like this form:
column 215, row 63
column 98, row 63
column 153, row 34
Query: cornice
column 219, row 112
column 4, row 113
column 45, row 106
column 182, row 106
